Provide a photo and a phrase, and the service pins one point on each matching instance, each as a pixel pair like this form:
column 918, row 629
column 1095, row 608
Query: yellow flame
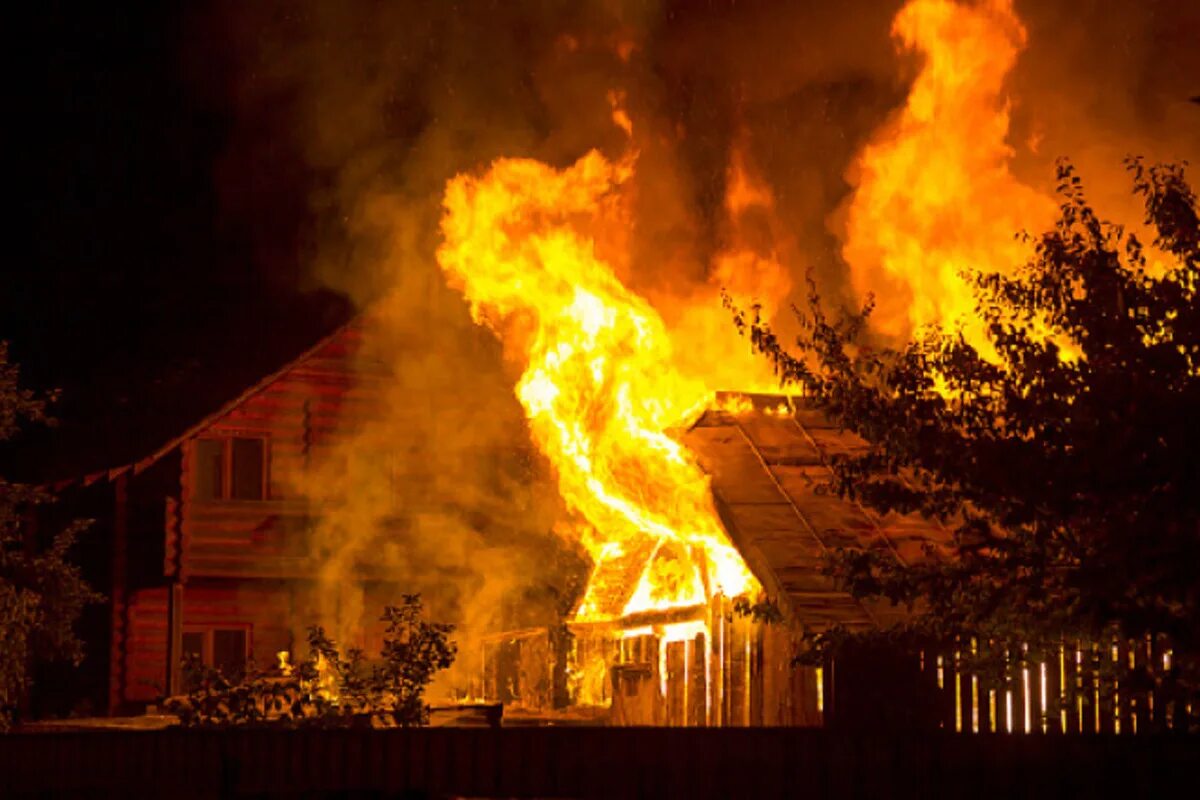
column 599, row 382
column 326, row 681
column 620, row 116
column 732, row 403
column 934, row 192
column 587, row 679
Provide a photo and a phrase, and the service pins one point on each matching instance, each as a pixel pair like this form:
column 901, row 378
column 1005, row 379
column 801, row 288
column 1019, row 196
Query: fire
column 934, row 194
column 599, row 383
column 607, row 374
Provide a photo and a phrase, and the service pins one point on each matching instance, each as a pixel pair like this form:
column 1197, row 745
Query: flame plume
column 934, row 192
column 599, row 385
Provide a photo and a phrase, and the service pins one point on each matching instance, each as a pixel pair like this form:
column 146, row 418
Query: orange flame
column 599, row 383
column 934, row 195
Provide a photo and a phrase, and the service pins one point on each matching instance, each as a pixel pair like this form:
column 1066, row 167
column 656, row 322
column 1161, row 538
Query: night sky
column 135, row 292
column 168, row 213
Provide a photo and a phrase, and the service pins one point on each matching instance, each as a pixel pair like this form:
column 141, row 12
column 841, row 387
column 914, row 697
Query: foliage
column 41, row 592
column 764, row 610
column 328, row 689
column 1064, row 466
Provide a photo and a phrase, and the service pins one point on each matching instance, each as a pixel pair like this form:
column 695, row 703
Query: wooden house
column 709, row 664
column 204, row 543
column 204, row 552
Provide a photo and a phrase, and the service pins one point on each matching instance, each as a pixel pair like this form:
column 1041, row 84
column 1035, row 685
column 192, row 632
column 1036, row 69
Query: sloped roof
column 768, row 466
column 613, row 581
column 352, row 327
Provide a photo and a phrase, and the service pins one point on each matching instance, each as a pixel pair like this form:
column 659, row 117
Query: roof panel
column 769, row 476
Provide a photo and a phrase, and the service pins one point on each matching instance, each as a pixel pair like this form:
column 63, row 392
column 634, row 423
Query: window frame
column 206, row 631
column 225, row 494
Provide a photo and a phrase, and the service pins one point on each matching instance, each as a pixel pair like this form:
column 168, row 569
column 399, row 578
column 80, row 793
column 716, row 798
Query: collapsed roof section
column 768, row 457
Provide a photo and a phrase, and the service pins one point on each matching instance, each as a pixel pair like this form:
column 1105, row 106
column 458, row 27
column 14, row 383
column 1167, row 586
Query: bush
column 328, row 689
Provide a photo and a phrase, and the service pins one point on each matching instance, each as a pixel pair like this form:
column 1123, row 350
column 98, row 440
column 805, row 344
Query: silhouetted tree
column 1066, row 464
column 41, row 592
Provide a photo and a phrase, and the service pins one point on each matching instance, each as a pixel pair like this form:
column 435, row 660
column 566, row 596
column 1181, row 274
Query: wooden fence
column 1119, row 687
column 596, row 762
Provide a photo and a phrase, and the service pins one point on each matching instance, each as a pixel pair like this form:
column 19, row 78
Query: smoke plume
column 747, row 118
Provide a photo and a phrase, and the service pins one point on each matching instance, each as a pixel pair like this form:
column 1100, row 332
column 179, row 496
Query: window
column 230, row 469
column 229, row 651
column 210, row 468
column 193, row 646
column 247, row 471
column 225, row 649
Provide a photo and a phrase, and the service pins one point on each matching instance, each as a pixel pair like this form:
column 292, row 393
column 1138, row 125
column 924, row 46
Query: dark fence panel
column 597, row 762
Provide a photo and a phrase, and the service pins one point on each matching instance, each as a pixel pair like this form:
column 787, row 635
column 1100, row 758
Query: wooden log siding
column 264, row 609
column 243, row 563
column 232, row 557
column 308, row 407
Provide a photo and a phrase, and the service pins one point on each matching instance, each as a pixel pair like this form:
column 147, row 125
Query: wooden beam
column 174, row 638
column 120, row 534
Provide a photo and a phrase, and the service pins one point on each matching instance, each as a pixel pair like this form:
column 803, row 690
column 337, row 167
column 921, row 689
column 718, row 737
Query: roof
column 199, row 427
column 768, row 465
column 768, row 462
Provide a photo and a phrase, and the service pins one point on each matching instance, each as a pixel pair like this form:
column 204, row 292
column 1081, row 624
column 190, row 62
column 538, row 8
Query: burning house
column 705, row 659
column 688, row 506
column 208, row 558
column 690, row 487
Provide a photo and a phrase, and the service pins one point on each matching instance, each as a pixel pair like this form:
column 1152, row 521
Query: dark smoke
column 354, row 115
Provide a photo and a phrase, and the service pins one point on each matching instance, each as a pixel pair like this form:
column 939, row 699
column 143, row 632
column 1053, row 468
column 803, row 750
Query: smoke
column 1100, row 81
column 366, row 110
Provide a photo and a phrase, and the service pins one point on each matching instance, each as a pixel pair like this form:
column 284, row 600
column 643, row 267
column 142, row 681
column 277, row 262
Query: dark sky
column 180, row 169
column 133, row 292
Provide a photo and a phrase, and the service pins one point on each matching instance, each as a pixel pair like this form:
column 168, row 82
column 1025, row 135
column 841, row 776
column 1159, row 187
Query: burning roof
column 768, row 461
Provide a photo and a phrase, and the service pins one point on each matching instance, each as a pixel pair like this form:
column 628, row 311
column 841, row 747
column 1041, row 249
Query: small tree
column 41, row 592
column 1066, row 465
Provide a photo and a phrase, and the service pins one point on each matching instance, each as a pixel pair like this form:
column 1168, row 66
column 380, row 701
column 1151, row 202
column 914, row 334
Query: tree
column 1065, row 465
column 41, row 592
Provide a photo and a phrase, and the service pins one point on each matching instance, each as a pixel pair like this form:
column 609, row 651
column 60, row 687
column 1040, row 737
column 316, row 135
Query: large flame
column 600, row 384
column 935, row 196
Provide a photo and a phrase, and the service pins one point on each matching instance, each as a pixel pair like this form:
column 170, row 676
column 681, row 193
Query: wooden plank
column 697, row 686
column 986, row 689
column 676, row 686
column 805, row 709
column 1101, row 697
column 756, row 675
column 117, row 590
column 717, row 627
column 738, row 706
column 1073, row 684
column 1156, row 701
column 1126, row 699
column 1040, row 695
column 968, row 691
column 949, row 699
column 1054, row 692
column 1004, row 694
column 1021, row 716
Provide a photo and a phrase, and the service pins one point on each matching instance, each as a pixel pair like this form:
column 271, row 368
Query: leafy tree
column 1065, row 465
column 41, row 592
column 328, row 689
